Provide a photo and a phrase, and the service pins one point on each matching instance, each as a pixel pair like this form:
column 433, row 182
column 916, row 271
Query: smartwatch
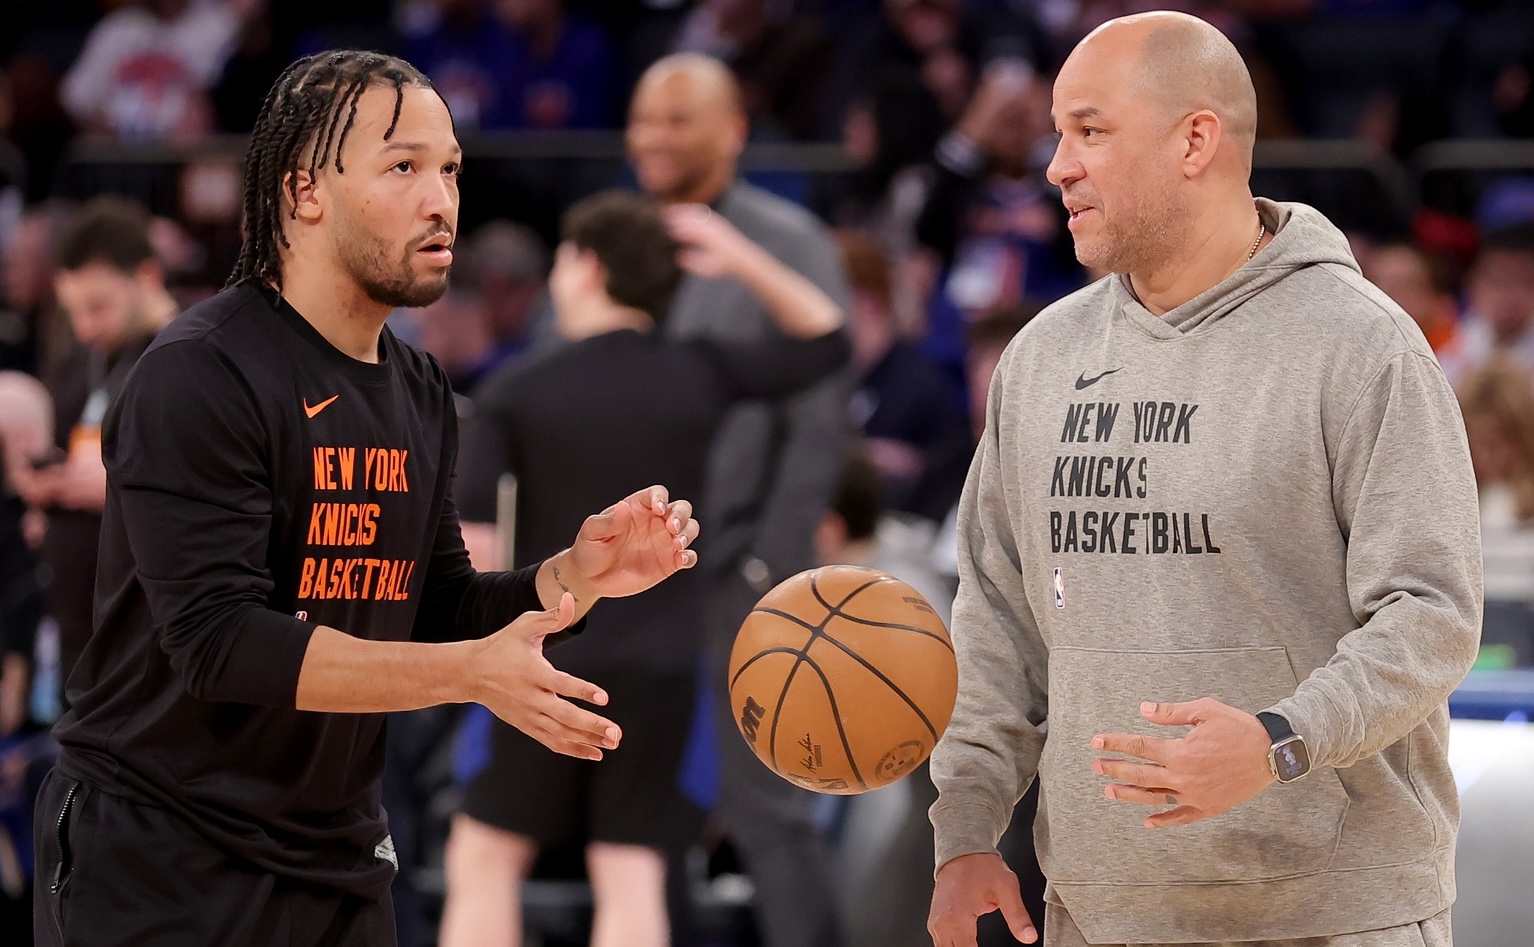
column 1288, row 757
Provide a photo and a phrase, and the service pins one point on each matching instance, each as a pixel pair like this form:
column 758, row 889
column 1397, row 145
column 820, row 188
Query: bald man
column 1219, row 556
column 774, row 467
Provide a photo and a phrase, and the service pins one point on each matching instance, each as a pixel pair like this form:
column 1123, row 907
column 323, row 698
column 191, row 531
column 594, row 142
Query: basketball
column 842, row 679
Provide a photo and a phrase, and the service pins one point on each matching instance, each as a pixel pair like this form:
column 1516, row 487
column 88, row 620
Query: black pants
column 112, row 872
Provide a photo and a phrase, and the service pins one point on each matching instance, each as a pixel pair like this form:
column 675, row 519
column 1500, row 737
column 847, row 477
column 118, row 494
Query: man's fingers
column 1010, row 900
column 556, row 619
column 686, row 559
column 1135, row 774
column 952, row 928
column 688, row 535
column 574, row 723
column 1129, row 744
column 1150, row 796
column 678, row 515
column 580, row 751
column 568, row 685
column 1174, row 715
column 1182, row 815
column 653, row 499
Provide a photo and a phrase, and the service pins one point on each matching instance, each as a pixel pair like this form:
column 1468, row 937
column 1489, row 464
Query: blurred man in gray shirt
column 774, row 467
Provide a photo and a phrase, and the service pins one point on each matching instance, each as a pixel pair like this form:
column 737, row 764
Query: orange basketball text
column 379, row 580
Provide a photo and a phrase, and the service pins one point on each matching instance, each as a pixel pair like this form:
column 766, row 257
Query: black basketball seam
column 835, row 715
column 836, row 611
column 885, row 624
column 777, row 711
column 888, row 683
column 757, row 657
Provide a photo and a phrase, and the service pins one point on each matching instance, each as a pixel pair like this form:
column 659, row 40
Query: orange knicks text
column 372, row 469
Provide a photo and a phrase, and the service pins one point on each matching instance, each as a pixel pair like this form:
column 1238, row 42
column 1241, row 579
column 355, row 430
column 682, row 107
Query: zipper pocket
column 61, row 872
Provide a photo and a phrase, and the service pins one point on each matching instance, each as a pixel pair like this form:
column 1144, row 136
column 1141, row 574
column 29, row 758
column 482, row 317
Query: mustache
column 443, row 235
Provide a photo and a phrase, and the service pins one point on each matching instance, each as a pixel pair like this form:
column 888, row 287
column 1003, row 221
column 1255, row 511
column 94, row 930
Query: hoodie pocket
column 1086, row 838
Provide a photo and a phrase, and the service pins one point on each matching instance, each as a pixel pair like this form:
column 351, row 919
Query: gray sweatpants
column 1436, row 931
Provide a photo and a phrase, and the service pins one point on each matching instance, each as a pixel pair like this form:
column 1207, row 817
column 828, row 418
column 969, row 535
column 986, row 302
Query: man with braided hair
column 281, row 561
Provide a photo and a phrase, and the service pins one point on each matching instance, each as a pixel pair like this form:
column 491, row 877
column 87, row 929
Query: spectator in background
column 494, row 279
column 560, row 74
column 146, row 70
column 643, row 410
column 37, row 342
column 508, row 64
column 464, row 50
column 1500, row 297
column 902, row 405
column 26, row 433
column 511, row 264
column 998, row 226
column 772, row 469
column 1498, row 404
column 112, row 288
column 917, row 79
column 1413, row 279
column 457, row 331
column 32, row 118
column 1513, row 98
column 780, row 58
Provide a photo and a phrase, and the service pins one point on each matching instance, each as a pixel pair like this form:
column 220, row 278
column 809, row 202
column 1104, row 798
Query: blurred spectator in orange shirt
column 1418, row 285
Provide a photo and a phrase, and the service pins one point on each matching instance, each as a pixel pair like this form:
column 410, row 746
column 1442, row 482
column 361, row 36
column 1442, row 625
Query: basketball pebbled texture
column 842, row 679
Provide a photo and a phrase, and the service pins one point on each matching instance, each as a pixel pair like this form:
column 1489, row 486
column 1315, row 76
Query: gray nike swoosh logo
column 1085, row 382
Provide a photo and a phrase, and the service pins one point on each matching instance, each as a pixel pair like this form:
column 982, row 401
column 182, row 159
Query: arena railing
column 1400, row 184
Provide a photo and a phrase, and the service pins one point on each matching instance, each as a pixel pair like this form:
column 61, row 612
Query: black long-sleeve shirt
column 260, row 483
column 602, row 418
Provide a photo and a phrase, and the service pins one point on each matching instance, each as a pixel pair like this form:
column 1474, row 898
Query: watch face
column 1291, row 759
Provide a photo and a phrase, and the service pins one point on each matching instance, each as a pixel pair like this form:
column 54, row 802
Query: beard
column 1147, row 228
column 388, row 278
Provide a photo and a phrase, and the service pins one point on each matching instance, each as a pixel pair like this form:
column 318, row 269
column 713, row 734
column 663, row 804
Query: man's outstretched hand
column 631, row 546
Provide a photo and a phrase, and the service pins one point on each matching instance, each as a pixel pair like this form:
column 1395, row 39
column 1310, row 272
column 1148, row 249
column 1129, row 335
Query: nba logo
column 1059, row 589
column 304, row 616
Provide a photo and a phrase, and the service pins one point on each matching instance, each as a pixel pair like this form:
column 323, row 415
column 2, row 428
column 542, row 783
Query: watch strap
column 1277, row 726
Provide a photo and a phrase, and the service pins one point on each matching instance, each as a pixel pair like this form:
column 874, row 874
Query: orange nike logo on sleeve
column 311, row 412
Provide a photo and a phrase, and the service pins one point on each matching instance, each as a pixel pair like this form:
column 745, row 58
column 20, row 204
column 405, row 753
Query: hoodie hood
column 1302, row 237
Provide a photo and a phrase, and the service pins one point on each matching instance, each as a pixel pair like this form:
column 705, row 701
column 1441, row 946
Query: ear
column 1202, row 136
column 593, row 274
column 300, row 190
column 740, row 130
column 149, row 275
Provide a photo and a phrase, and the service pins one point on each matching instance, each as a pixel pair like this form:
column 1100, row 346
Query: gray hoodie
column 1264, row 497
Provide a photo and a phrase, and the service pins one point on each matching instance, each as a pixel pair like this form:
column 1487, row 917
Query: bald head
column 1182, row 65
column 708, row 82
column 686, row 128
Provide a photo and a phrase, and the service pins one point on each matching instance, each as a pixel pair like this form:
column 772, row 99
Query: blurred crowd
column 947, row 234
